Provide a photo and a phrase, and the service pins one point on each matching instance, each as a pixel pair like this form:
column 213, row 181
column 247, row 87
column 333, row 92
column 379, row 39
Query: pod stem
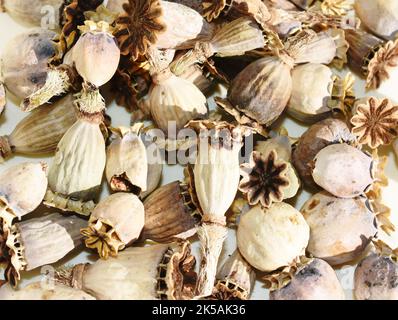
column 55, row 200
column 90, row 101
column 212, row 237
column 5, row 148
column 57, row 83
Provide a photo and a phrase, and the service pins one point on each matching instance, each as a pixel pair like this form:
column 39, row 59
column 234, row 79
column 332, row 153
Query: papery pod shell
column 262, row 90
column 283, row 23
column 195, row 75
column 193, row 4
column 175, row 99
column 282, row 4
column 40, row 241
column 31, row 13
column 15, row 201
column 24, row 61
column 342, row 47
column 184, row 27
column 317, row 137
column 308, row 46
column 343, row 170
column 272, row 238
column 2, row 97
column 341, row 228
column 395, row 147
column 316, row 281
column 39, row 291
column 139, row 273
column 114, row 223
column 40, row 131
column 127, row 163
column 379, row 16
column 169, row 214
column 282, row 144
column 312, row 89
column 82, row 144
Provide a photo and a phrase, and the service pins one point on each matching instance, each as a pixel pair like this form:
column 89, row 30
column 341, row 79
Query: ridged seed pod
column 169, row 214
column 155, row 272
column 114, row 223
column 15, row 201
column 316, row 281
column 38, row 291
column 126, row 161
column 341, row 229
column 40, row 241
column 40, row 131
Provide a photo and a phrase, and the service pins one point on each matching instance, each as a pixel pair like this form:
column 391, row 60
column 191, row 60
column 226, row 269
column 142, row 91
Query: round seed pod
column 341, row 229
column 376, row 278
column 316, row 281
column 25, row 61
column 15, row 202
column 30, row 12
column 312, row 89
column 343, row 170
column 272, row 238
column 317, row 137
column 169, row 214
column 145, row 273
column 114, row 223
column 38, row 291
column 379, row 16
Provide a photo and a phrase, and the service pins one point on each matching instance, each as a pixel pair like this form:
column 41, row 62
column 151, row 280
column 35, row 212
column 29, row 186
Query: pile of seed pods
column 167, row 63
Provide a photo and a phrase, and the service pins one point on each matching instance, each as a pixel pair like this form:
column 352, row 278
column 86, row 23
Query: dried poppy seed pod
column 312, row 89
column 216, row 179
column 316, row 281
column 373, row 58
column 145, row 273
column 30, row 13
column 24, row 61
column 15, row 202
column 379, row 16
column 343, row 170
column 2, row 97
column 376, row 276
column 40, row 131
column 72, row 187
column 36, row 242
column 262, row 90
column 38, row 291
column 272, row 238
column 126, row 163
column 317, row 137
column 169, row 214
column 341, row 228
column 114, row 223
column 281, row 143
column 235, row 279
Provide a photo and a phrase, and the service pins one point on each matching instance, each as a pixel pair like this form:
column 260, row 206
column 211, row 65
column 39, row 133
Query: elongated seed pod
column 40, row 131
column 40, row 241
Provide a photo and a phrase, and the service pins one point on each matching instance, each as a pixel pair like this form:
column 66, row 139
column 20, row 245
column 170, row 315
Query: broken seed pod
column 37, row 242
column 31, row 12
column 216, row 179
column 159, row 24
column 126, row 162
column 39, row 291
column 343, row 170
column 376, row 276
column 74, row 187
column 341, row 229
column 114, row 223
column 317, row 137
column 373, row 58
column 316, row 281
column 25, row 61
column 267, row 179
column 15, row 202
column 379, row 16
column 235, row 279
column 312, row 89
column 170, row 214
column 274, row 241
column 138, row 273
column 375, row 122
column 40, row 131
